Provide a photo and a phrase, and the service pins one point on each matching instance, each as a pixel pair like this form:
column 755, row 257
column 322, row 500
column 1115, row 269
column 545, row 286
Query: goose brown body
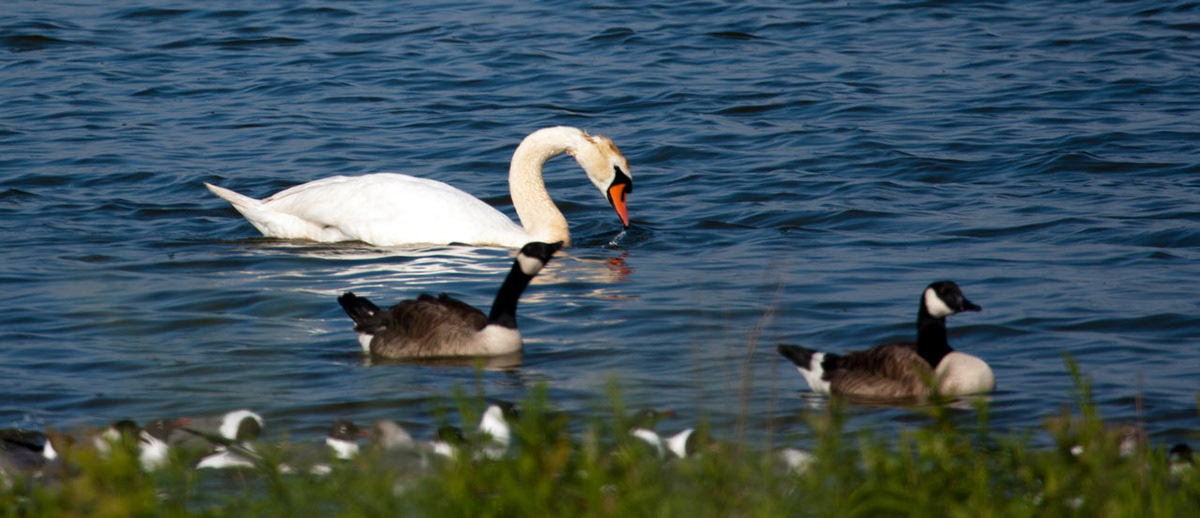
column 896, row 370
column 429, row 327
column 902, row 370
column 442, row 326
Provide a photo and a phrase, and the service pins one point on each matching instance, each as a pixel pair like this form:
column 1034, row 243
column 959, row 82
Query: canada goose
column 389, row 209
column 901, row 369
column 443, row 326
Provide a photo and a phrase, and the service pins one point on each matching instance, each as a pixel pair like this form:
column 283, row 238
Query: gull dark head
column 345, row 430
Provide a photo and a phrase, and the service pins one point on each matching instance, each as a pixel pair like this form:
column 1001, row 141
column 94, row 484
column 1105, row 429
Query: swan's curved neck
column 538, row 213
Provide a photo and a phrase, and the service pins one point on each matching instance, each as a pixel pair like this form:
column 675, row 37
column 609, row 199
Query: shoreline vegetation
column 951, row 464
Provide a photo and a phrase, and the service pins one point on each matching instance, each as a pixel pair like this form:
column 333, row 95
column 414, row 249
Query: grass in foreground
column 941, row 468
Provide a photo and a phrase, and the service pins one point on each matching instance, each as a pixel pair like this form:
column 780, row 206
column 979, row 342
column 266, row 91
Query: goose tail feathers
column 809, row 363
column 360, row 309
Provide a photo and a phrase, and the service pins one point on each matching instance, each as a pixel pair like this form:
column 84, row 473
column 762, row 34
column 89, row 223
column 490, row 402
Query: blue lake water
column 801, row 173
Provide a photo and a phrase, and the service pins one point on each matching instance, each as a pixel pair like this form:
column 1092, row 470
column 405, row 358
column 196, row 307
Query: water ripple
column 802, row 171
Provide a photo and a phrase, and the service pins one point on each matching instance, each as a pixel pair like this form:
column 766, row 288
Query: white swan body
column 388, row 209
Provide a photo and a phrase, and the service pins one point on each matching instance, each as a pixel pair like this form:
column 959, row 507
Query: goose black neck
column 931, row 337
column 504, row 308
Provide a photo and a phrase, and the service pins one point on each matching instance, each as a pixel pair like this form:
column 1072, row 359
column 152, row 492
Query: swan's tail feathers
column 272, row 223
column 240, row 202
column 809, row 363
column 361, row 310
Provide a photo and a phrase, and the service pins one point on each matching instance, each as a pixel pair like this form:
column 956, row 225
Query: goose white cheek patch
column 529, row 265
column 935, row 306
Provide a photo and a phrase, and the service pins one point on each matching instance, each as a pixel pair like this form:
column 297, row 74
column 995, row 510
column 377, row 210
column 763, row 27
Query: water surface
column 801, row 173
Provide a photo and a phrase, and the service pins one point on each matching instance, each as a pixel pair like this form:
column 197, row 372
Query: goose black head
column 944, row 298
column 533, row 256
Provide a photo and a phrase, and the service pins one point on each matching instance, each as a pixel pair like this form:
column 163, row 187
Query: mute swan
column 900, row 370
column 388, row 209
column 443, row 326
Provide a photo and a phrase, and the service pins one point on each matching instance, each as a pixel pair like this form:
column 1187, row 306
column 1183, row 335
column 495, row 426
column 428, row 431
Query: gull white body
column 153, row 453
column 497, row 433
column 676, row 444
column 342, row 448
column 238, row 427
column 223, row 458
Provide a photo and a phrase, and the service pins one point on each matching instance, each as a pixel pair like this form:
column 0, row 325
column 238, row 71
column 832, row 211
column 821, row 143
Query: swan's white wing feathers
column 384, row 209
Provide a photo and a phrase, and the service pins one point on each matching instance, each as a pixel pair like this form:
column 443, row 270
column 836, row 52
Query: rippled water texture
column 801, row 172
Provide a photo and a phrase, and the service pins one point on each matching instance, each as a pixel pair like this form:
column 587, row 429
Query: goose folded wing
column 887, row 371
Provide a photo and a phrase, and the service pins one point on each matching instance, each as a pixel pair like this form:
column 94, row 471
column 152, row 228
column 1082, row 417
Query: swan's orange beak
column 616, row 195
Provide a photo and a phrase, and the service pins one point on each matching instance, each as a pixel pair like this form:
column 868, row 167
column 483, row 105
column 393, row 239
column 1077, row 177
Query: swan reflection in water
column 413, row 268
